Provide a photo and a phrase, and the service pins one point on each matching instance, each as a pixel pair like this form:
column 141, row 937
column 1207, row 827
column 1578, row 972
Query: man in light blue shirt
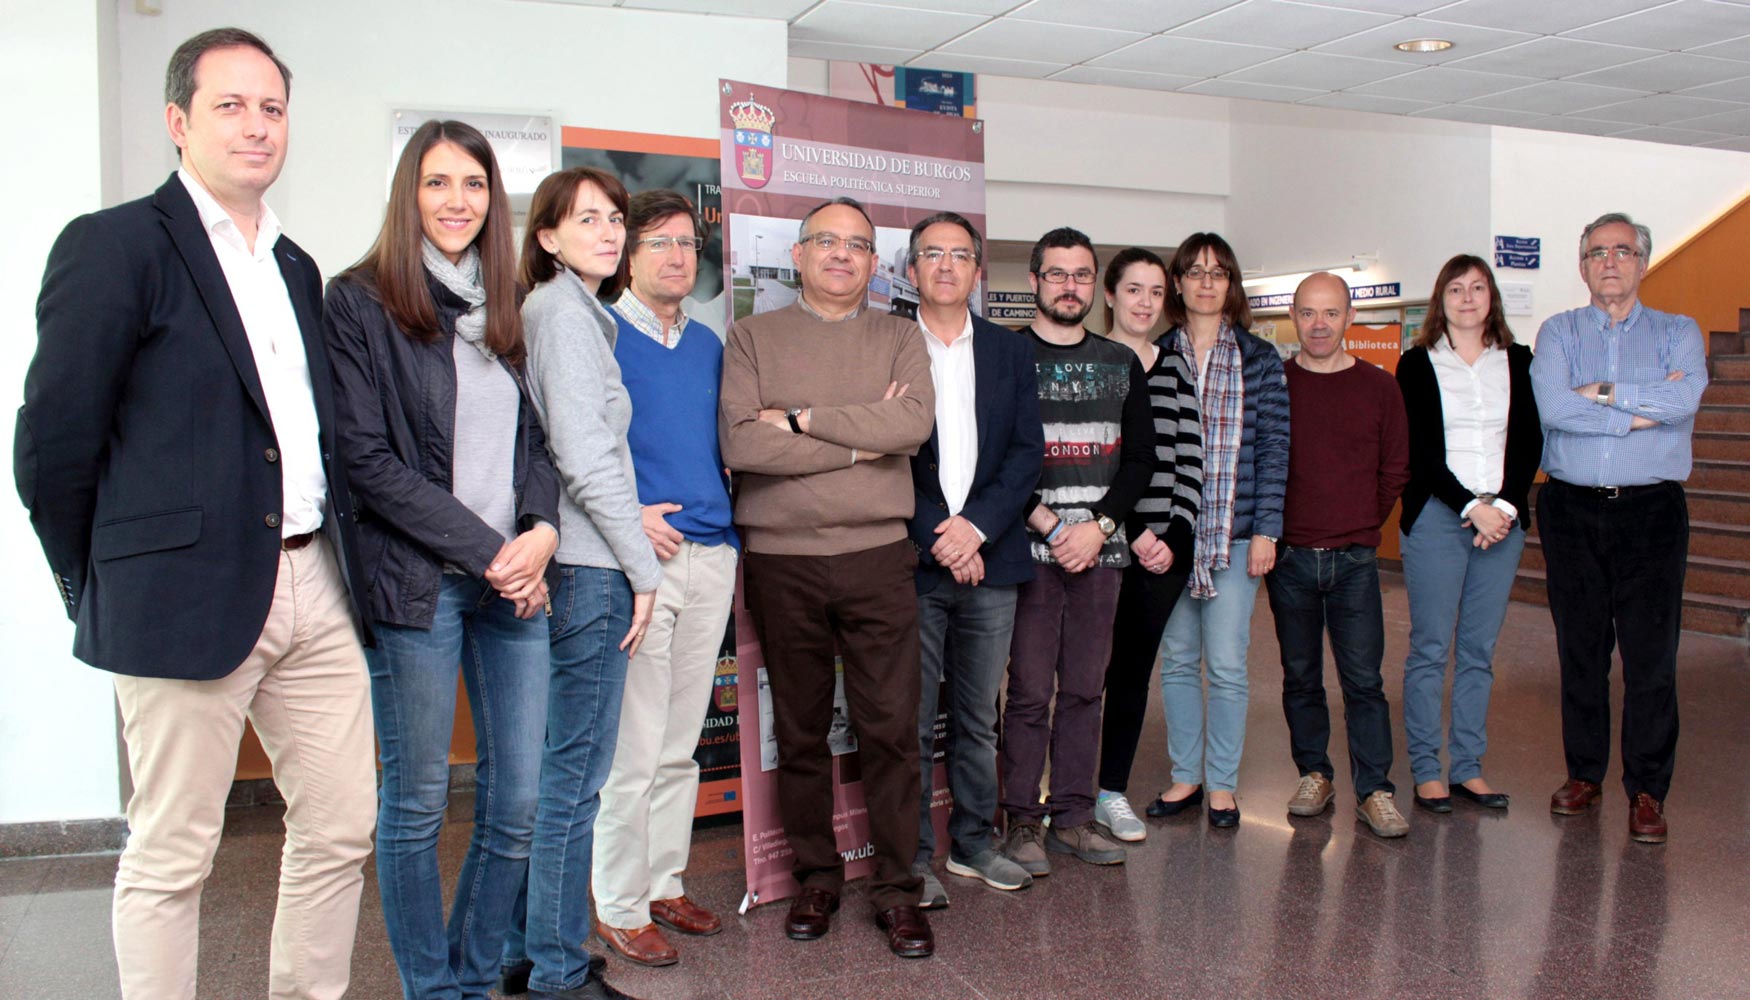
column 1617, row 385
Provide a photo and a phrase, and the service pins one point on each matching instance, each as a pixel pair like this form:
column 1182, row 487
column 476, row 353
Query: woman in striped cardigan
column 1160, row 529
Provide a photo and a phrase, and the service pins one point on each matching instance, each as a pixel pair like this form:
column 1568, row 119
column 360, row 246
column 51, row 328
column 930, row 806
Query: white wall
column 1313, row 187
column 1551, row 185
column 57, row 716
column 352, row 63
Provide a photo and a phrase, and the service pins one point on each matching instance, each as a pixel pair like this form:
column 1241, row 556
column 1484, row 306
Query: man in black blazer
column 176, row 450
column 973, row 479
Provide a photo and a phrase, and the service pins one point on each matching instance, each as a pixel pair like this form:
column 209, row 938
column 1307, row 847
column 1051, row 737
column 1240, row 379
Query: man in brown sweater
column 822, row 401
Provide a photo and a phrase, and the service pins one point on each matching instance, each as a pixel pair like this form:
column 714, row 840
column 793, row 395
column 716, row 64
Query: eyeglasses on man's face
column 936, row 255
column 1057, row 276
column 663, row 244
column 1619, row 253
column 832, row 241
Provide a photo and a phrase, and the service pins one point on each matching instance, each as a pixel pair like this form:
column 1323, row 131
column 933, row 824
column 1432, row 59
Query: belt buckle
column 1610, row 492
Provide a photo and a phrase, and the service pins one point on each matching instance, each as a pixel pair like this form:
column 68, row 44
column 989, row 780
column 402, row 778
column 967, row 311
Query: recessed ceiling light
column 1423, row 45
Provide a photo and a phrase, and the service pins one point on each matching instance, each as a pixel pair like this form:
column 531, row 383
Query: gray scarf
column 464, row 280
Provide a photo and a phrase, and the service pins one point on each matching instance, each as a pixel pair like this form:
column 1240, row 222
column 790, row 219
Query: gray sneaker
column 997, row 871
column 1025, row 846
column 1112, row 811
column 1312, row 795
column 1381, row 815
column 934, row 897
column 1086, row 842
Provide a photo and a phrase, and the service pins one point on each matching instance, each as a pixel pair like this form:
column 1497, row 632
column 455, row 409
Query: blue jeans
column 1312, row 590
column 1455, row 588
column 964, row 632
column 413, row 700
column 592, row 610
column 1215, row 632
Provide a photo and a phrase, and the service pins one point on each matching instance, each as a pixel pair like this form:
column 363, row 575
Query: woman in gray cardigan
column 607, row 571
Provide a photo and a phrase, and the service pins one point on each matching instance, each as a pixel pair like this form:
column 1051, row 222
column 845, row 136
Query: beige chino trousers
column 645, row 827
column 305, row 689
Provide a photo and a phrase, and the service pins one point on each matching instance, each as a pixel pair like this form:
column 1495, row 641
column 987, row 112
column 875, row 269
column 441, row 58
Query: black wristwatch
column 791, row 414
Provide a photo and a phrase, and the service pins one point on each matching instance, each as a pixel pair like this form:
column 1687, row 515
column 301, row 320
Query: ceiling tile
column 1318, row 71
column 1480, row 116
column 1729, row 121
column 1553, row 58
column 1280, row 23
column 1249, row 91
column 1131, row 15
column 1467, row 40
column 1438, row 83
column 988, row 64
column 1189, row 56
column 1739, row 143
column 1543, row 17
column 1676, row 136
column 987, row 7
column 1036, row 41
column 1581, row 126
column 852, row 53
column 1556, row 97
column 1680, row 25
column 1368, row 102
column 1125, row 78
column 781, row 10
column 1671, row 71
column 1730, row 90
column 1732, row 48
column 1401, row 7
column 1661, row 109
column 868, row 24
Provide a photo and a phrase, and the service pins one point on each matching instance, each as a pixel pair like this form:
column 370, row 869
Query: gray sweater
column 575, row 384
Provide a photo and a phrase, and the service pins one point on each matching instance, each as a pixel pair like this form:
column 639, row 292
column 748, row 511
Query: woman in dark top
column 1475, row 443
column 1160, row 529
column 457, row 507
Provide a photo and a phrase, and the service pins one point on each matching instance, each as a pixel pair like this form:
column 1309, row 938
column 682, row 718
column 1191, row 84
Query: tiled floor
column 1474, row 904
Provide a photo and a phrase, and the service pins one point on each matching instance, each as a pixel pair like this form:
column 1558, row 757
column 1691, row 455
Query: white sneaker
column 1112, row 811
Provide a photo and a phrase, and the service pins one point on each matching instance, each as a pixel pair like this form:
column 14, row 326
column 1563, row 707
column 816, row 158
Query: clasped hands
column 519, row 570
column 1491, row 523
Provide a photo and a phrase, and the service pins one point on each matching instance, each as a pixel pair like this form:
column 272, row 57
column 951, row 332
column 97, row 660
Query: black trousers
column 1615, row 569
column 1145, row 602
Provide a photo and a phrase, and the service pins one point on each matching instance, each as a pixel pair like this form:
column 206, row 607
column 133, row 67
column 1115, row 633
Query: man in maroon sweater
column 1348, row 460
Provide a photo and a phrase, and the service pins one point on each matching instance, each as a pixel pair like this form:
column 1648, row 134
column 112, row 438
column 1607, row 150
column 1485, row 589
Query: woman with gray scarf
column 458, row 513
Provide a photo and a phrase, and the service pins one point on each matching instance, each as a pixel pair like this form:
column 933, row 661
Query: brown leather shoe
column 643, row 945
column 908, row 931
column 810, row 914
column 684, row 915
column 1646, row 820
column 1574, row 798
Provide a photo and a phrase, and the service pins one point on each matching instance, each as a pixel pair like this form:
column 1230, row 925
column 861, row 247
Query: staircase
column 1716, row 596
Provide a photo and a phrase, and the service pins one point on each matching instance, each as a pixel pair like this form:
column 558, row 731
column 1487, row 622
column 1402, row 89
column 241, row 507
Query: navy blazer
column 1011, row 450
column 144, row 448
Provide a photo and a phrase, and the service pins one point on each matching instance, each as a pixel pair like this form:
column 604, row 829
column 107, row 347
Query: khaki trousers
column 305, row 689
column 645, row 828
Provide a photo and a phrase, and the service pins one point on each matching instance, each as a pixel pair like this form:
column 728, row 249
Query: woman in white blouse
column 1475, row 444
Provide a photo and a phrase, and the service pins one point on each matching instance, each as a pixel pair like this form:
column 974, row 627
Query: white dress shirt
column 275, row 339
column 956, row 383
column 1474, row 400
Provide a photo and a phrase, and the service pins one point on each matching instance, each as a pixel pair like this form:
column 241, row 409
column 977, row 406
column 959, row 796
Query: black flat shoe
column 1488, row 800
column 1222, row 819
column 1435, row 803
column 1161, row 808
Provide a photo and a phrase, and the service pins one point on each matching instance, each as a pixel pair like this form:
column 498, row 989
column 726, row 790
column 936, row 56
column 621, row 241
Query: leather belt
column 296, row 542
column 1611, row 492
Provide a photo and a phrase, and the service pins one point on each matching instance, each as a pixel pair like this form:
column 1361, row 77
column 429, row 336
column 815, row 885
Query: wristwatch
column 1108, row 527
column 1605, row 391
column 791, row 414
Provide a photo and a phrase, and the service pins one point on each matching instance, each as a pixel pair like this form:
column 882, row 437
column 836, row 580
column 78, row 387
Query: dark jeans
column 1615, row 575
column 965, row 634
column 1145, row 602
column 1063, row 640
column 864, row 606
column 1312, row 590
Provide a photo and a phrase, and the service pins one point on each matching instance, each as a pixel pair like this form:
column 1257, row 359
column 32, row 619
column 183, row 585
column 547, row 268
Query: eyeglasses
column 1057, row 276
column 663, row 244
column 1621, row 253
column 935, row 255
column 830, row 242
column 1212, row 273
